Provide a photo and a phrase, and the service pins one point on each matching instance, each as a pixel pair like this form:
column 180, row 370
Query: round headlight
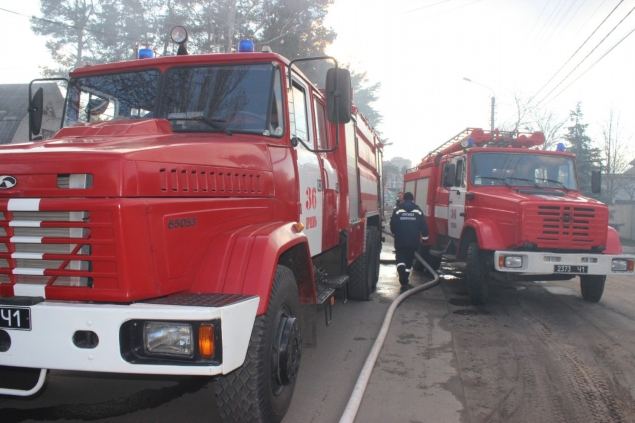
column 179, row 34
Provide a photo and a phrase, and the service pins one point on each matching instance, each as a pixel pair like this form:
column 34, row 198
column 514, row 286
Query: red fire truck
column 509, row 210
column 187, row 219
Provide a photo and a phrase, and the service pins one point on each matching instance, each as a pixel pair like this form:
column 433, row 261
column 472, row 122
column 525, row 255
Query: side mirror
column 449, row 174
column 338, row 95
column 596, row 182
column 36, row 110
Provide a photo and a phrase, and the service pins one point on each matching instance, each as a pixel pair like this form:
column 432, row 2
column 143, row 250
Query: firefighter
column 399, row 199
column 408, row 224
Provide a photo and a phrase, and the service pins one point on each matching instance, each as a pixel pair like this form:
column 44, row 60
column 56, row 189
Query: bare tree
column 614, row 149
column 550, row 124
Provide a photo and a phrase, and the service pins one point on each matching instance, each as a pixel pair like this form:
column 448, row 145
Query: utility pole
column 493, row 101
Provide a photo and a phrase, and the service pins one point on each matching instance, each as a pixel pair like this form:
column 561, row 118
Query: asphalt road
column 536, row 353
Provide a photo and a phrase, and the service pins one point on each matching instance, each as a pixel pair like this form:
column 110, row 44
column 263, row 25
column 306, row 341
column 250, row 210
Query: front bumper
column 49, row 342
column 546, row 262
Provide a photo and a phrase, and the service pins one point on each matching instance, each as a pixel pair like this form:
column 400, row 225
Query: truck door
column 456, row 206
column 309, row 172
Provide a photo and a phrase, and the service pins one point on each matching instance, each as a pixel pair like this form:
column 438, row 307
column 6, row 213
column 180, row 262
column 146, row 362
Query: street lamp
column 493, row 99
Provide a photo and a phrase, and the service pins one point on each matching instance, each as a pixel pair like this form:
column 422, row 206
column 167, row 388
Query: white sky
column 420, row 50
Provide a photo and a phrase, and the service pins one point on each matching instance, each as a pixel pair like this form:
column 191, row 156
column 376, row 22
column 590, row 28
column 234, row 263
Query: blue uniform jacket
column 408, row 224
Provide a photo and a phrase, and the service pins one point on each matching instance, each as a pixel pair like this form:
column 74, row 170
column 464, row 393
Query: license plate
column 570, row 269
column 15, row 318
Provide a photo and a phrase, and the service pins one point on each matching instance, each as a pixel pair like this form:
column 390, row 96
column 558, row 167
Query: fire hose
column 362, row 381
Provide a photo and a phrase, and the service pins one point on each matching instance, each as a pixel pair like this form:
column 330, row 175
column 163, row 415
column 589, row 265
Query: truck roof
column 169, row 61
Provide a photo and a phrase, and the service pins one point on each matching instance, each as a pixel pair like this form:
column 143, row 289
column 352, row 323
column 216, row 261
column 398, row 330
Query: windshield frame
column 524, row 169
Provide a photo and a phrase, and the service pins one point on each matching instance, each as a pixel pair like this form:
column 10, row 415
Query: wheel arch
column 244, row 261
column 483, row 231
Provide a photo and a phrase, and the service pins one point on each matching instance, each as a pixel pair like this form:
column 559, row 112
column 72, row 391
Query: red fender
column 487, row 234
column 613, row 244
column 244, row 260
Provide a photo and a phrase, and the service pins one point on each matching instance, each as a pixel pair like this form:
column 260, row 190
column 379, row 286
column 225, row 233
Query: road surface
column 536, row 353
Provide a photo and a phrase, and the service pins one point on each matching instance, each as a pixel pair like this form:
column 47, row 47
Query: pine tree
column 588, row 158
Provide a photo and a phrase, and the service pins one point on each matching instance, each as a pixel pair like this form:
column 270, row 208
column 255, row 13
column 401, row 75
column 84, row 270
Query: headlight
column 513, row 262
column 167, row 338
column 621, row 265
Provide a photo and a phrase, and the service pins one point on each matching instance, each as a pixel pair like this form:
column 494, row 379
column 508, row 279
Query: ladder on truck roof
column 456, row 138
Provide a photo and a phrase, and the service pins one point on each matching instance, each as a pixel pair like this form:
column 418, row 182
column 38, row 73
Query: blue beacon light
column 560, row 147
column 246, row 46
column 146, row 53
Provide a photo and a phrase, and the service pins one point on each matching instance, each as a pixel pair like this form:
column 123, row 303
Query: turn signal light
column 206, row 341
column 298, row 227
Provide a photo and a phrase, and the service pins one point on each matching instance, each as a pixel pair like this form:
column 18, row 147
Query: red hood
column 131, row 158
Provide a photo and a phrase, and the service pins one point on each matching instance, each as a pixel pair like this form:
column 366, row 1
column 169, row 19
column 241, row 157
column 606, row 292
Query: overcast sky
column 420, row 51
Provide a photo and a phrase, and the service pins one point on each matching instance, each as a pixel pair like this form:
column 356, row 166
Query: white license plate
column 570, row 269
column 18, row 318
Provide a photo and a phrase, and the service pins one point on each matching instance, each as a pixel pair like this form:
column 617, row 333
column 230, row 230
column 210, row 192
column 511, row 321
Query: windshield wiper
column 209, row 121
column 524, row 179
column 556, row 182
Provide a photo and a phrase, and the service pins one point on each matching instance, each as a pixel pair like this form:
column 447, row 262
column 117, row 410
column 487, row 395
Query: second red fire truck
column 510, row 210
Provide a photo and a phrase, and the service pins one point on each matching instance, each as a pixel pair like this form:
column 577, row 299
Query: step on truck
column 509, row 210
column 188, row 218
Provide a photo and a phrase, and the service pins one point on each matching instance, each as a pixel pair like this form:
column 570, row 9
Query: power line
column 575, row 52
column 585, row 57
column 595, row 63
column 424, row 7
column 69, row 25
column 537, row 20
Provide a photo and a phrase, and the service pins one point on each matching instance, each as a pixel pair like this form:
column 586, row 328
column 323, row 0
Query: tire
column 360, row 271
column 592, row 287
column 476, row 274
column 372, row 240
column 262, row 388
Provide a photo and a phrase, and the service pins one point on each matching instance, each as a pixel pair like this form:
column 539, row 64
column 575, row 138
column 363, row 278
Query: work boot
column 403, row 274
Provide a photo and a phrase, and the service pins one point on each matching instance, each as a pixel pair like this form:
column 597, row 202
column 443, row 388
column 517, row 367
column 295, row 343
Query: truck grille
column 565, row 226
column 50, row 252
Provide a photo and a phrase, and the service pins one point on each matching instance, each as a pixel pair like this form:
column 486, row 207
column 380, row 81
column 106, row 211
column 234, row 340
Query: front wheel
column 262, row 388
column 592, row 287
column 476, row 274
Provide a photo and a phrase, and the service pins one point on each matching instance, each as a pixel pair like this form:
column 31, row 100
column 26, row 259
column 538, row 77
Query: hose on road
column 362, row 381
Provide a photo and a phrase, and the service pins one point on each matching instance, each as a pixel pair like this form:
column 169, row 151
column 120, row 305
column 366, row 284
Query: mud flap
column 21, row 381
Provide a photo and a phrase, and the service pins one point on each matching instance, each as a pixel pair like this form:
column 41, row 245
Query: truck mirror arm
column 296, row 140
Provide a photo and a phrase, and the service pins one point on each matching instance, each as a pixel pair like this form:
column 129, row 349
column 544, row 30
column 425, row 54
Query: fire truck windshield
column 523, row 169
column 234, row 98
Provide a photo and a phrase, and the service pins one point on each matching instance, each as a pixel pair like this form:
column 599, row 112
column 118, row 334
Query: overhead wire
column 594, row 63
column 558, row 22
column 537, row 20
column 575, row 52
column 572, row 16
column 64, row 24
column 548, row 24
column 533, row 107
column 584, row 59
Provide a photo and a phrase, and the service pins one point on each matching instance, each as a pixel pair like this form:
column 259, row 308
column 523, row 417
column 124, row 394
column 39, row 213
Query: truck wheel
column 261, row 389
column 360, row 284
column 592, row 287
column 372, row 239
column 476, row 275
